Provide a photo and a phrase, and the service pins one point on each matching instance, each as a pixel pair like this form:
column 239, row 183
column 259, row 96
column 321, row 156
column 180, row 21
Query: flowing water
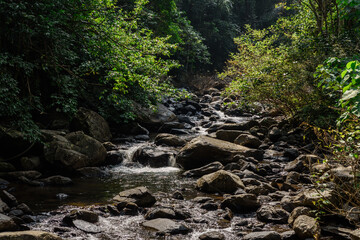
column 52, row 203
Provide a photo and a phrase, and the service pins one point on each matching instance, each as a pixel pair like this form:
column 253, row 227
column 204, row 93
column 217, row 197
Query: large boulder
column 243, row 126
column 268, row 213
column 154, row 119
column 92, row 124
column 75, row 150
column 220, row 182
column 248, row 140
column 140, row 196
column 7, row 223
column 266, row 235
column 28, row 235
column 204, row 150
column 228, row 135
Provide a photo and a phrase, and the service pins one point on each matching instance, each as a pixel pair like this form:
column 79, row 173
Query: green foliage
column 57, row 54
column 341, row 80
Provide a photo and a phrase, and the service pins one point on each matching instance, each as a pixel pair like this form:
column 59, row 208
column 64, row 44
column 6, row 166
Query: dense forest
column 297, row 60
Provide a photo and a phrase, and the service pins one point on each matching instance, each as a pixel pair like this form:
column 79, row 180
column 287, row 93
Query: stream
column 51, row 204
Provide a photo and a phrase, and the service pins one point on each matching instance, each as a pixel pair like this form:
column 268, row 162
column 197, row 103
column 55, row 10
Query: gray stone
column 268, row 213
column 57, row 181
column 7, row 224
column 306, row 227
column 248, row 140
column 228, row 135
column 266, row 235
column 92, row 124
column 86, row 226
column 169, row 139
column 199, row 172
column 298, row 212
column 30, row 163
column 213, row 235
column 219, row 182
column 140, row 196
column 160, row 213
column 166, row 226
column 150, row 156
column 241, row 203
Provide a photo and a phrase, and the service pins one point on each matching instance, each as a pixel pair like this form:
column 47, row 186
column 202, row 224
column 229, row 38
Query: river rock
column 306, row 227
column 140, row 196
column 213, row 235
column 161, row 213
column 28, row 235
column 6, row 167
column 266, row 235
column 169, row 139
column 248, row 140
column 3, row 206
column 309, row 197
column 228, row 135
column 57, row 180
column 276, row 214
column 75, row 150
column 204, row 150
column 275, row 134
column 7, row 223
column 115, row 157
column 288, row 235
column 15, row 175
column 169, row 126
column 267, row 122
column 86, row 226
column 166, row 226
column 241, row 203
column 297, row 212
column 199, row 172
column 219, row 182
column 150, row 156
column 243, row 126
column 80, row 214
column 92, row 124
column 342, row 174
column 302, row 163
column 154, row 119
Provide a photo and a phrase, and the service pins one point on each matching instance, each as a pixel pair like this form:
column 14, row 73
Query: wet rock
column 9, row 199
column 92, row 172
column 7, row 223
column 204, row 150
column 30, row 235
column 178, row 195
column 241, row 203
column 355, row 235
column 57, row 181
column 232, row 166
column 142, row 137
column 80, row 214
column 169, row 139
column 248, row 140
column 109, row 146
column 219, row 182
column 165, row 213
column 291, row 153
column 274, row 214
column 263, row 189
column 198, row 172
column 293, row 178
column 86, row 226
column 166, row 226
column 150, row 156
column 228, row 135
column 30, row 163
column 28, row 218
column 297, row 212
column 306, row 227
column 266, row 235
column 75, row 150
column 115, row 157
column 342, row 174
column 213, row 235
column 202, row 199
column 140, row 196
column 209, row 205
column 92, row 124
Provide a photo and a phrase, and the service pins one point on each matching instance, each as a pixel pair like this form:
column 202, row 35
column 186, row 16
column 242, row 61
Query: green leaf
column 349, row 94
